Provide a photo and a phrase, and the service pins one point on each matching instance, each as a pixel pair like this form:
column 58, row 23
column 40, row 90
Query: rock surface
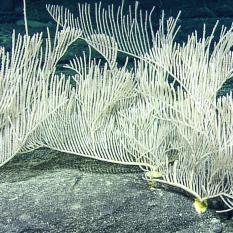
column 75, row 195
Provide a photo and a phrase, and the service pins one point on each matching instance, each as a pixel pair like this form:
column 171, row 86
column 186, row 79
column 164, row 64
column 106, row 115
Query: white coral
column 125, row 115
